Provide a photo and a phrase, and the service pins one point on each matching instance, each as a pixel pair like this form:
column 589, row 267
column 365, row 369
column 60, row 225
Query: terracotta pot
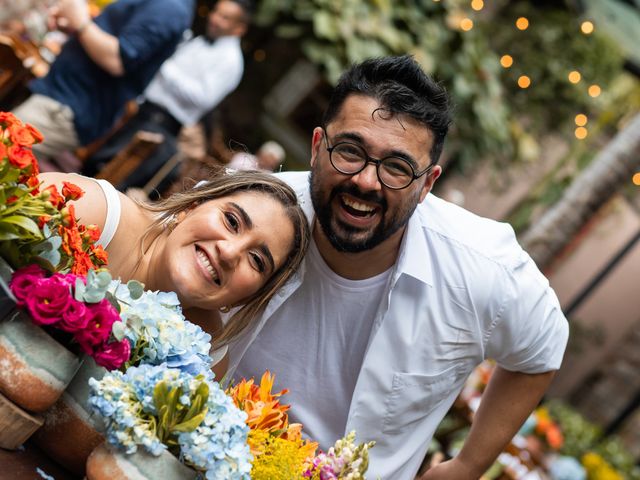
column 16, row 425
column 71, row 431
column 35, row 368
column 105, row 463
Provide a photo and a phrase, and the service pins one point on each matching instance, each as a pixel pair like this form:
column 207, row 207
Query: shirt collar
column 415, row 258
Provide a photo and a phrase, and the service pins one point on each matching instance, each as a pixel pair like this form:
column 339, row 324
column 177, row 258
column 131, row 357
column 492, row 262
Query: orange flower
column 263, row 408
column 20, row 156
column 42, row 220
column 55, row 198
column 11, row 199
column 71, row 191
column 35, row 133
column 81, row 264
column 554, row 437
column 100, row 254
column 8, row 119
column 294, row 434
column 21, row 136
column 92, row 233
column 3, row 151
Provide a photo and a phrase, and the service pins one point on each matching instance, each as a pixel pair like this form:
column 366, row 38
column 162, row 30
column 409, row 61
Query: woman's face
column 223, row 251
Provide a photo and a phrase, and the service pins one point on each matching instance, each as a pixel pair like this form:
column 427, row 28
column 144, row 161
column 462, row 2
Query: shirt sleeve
column 153, row 26
column 530, row 332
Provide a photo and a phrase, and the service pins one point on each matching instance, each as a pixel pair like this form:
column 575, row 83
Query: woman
column 230, row 242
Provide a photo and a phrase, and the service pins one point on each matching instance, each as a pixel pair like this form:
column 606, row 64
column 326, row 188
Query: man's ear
column 432, row 176
column 316, row 141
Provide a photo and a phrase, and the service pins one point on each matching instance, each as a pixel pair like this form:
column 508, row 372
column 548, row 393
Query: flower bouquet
column 278, row 447
column 152, row 330
column 159, row 417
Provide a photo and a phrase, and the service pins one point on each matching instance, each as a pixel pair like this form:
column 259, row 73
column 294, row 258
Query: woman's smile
column 205, row 262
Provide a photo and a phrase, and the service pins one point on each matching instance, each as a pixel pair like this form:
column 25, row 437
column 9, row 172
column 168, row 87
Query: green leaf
column 191, row 424
column 24, row 223
column 136, row 289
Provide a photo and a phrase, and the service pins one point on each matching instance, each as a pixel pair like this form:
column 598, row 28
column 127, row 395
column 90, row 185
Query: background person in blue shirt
column 108, row 61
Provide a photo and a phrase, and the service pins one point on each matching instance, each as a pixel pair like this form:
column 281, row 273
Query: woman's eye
column 258, row 262
column 232, row 221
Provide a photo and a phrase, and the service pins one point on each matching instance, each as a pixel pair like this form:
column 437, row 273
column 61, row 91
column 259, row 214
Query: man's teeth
column 361, row 207
column 207, row 264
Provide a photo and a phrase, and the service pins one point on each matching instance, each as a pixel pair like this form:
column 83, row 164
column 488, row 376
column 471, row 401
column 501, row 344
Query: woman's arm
column 91, row 209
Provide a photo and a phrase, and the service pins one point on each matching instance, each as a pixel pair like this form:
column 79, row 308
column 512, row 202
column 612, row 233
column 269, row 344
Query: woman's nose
column 228, row 253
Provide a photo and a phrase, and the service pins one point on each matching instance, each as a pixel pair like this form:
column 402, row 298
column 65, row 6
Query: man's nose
column 367, row 179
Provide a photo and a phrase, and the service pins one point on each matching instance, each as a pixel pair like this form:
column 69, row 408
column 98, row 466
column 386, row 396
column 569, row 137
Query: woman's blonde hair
column 224, row 183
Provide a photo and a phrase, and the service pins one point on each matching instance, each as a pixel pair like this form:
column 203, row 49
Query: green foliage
column 95, row 289
column 174, row 417
column 494, row 117
column 546, row 52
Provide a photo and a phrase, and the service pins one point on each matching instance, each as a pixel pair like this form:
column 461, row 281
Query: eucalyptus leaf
column 136, row 289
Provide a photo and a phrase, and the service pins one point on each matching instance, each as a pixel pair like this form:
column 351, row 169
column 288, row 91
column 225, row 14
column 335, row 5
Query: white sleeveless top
column 112, row 218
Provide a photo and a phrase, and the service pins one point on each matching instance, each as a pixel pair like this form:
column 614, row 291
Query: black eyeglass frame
column 376, row 161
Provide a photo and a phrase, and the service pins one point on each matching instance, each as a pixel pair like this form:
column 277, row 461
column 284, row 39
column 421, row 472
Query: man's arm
column 72, row 16
column 506, row 403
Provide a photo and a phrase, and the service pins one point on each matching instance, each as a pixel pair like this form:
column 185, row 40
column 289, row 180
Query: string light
column 581, row 120
column 466, row 24
column 522, row 23
column 259, row 55
column 524, row 81
column 636, row 179
column 574, row 76
column 506, row 61
column 594, row 91
column 581, row 133
column 587, row 27
column 477, row 5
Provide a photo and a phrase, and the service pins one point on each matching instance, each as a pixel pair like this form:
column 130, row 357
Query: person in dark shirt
column 108, row 61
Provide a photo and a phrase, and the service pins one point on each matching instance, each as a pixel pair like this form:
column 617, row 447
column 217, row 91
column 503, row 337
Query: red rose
column 48, row 300
column 21, row 157
column 24, row 280
column 113, row 355
column 75, row 317
column 98, row 329
column 71, row 191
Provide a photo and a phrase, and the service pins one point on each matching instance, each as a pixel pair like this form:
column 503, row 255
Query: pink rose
column 24, row 281
column 75, row 317
column 100, row 320
column 113, row 355
column 48, row 301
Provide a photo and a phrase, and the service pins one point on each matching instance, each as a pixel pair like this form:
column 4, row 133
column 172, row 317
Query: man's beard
column 346, row 238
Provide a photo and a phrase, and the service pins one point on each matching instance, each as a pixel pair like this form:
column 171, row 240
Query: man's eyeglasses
column 393, row 172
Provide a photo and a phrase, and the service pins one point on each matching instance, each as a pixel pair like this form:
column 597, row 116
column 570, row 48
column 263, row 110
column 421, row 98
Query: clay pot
column 35, row 368
column 71, row 431
column 16, row 425
column 105, row 463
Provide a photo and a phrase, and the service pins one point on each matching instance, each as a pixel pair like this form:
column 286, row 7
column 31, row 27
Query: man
column 402, row 294
column 107, row 62
column 192, row 82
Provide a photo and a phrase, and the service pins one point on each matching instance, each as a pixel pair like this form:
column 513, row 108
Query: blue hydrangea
column 217, row 448
column 567, row 468
column 157, row 329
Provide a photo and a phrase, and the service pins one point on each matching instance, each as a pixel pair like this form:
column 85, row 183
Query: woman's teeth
column 207, row 264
